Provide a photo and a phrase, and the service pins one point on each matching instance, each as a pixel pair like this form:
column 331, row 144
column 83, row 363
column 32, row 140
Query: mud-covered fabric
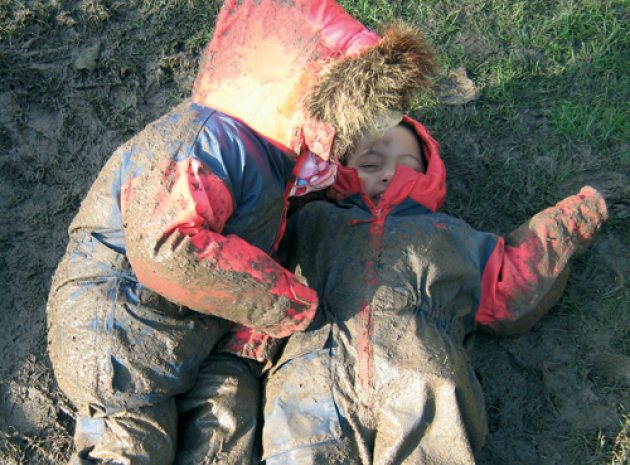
column 218, row 423
column 121, row 339
column 329, row 78
column 219, row 416
column 117, row 336
column 174, row 238
column 113, row 438
column 397, row 374
column 268, row 51
column 201, row 214
column 401, row 286
column 528, row 271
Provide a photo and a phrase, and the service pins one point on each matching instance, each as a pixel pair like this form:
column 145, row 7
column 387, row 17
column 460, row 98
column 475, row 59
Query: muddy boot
column 129, row 437
column 218, row 421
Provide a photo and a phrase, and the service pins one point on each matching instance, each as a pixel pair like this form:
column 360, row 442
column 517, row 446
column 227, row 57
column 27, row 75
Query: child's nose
column 387, row 176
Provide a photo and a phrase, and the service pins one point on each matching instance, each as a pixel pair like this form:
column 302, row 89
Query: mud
column 84, row 76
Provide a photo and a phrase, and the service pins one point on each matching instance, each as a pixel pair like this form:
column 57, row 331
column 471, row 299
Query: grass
column 50, row 448
column 621, row 444
column 516, row 50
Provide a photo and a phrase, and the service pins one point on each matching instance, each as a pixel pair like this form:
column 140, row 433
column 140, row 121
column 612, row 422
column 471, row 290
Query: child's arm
column 251, row 344
column 174, row 217
column 527, row 272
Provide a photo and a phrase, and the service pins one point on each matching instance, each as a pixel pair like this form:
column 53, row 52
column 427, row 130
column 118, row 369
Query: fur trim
column 353, row 93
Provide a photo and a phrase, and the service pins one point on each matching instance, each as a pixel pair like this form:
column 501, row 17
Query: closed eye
column 370, row 160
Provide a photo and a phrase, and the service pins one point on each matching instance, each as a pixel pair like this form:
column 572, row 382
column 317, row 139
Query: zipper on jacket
column 365, row 349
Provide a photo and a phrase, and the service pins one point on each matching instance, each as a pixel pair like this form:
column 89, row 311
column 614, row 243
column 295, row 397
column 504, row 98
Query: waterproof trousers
column 311, row 420
column 216, row 422
column 133, row 363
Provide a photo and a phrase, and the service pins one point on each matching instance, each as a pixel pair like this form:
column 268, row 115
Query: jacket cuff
column 246, row 343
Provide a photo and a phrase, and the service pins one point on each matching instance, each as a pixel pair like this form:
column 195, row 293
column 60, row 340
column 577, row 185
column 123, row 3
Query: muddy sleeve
column 528, row 270
column 251, row 344
column 174, row 214
column 246, row 342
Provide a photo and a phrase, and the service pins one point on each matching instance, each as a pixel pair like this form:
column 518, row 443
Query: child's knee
column 118, row 354
column 145, row 435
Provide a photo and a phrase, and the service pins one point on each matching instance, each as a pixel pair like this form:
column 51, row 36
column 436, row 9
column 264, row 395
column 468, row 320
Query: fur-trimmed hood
column 307, row 75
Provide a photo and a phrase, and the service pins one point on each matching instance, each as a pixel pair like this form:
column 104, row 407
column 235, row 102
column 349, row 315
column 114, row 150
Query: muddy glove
column 527, row 272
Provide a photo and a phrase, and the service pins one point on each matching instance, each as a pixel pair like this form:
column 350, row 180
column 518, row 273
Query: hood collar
column 428, row 189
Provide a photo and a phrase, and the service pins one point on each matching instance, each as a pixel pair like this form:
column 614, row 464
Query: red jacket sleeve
column 527, row 271
column 174, row 214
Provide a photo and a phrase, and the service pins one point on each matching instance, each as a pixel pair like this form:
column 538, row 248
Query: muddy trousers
column 131, row 362
column 215, row 422
column 309, row 419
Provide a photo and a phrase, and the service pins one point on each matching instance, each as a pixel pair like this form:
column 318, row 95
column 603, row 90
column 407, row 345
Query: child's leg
column 427, row 421
column 120, row 354
column 218, row 420
column 144, row 435
column 305, row 423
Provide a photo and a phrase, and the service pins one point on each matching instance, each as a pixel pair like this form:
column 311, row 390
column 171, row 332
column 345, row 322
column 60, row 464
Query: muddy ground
column 87, row 75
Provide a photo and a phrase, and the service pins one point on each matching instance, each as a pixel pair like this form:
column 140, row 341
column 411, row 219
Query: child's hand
column 581, row 216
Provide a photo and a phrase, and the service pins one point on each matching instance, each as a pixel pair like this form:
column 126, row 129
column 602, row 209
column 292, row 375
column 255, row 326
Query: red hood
column 428, row 189
column 271, row 64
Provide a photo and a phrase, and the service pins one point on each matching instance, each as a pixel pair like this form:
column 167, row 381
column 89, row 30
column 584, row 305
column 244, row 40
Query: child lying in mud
column 381, row 376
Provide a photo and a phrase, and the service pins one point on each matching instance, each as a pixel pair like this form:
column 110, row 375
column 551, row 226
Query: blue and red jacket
column 401, row 285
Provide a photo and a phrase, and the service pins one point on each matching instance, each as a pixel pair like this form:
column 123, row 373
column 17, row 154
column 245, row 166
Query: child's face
column 376, row 159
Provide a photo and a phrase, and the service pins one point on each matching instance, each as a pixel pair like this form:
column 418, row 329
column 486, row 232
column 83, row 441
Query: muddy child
column 381, row 376
column 171, row 249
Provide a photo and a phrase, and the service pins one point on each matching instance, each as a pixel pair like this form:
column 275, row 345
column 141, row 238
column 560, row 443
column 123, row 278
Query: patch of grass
column 179, row 31
column 96, row 11
column 49, row 448
column 18, row 17
column 615, row 300
column 569, row 56
column 591, row 39
column 177, row 16
column 610, row 449
column 621, row 444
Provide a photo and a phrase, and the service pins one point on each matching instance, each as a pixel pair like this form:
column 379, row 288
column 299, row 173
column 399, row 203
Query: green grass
column 570, row 56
